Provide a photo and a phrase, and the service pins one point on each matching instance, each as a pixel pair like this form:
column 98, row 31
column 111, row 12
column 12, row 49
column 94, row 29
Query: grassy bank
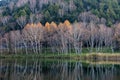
column 90, row 56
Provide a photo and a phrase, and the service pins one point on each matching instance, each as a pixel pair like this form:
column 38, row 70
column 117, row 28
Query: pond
column 57, row 70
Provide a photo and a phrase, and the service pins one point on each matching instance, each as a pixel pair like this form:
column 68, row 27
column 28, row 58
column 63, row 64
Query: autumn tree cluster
column 62, row 38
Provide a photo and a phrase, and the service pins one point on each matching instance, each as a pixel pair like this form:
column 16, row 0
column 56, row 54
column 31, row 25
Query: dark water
column 56, row 70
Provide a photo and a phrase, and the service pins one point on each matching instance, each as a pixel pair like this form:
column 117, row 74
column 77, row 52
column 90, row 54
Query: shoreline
column 90, row 56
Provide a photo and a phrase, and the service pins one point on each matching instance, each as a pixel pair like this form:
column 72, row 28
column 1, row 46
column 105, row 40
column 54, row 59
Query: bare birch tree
column 33, row 34
column 77, row 37
column 32, row 5
column 22, row 21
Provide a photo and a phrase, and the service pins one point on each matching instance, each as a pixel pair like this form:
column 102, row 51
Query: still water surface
column 57, row 70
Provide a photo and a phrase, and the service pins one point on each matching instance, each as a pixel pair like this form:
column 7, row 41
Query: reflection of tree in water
column 40, row 70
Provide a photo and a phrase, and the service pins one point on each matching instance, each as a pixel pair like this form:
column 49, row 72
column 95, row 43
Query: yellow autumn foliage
column 61, row 25
column 67, row 23
column 47, row 26
column 39, row 24
column 27, row 26
column 53, row 24
column 33, row 25
column 66, row 26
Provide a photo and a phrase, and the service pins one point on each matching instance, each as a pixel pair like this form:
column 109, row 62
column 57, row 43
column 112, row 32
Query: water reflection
column 56, row 70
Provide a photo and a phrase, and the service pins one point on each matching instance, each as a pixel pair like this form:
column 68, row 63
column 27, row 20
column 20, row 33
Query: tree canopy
column 58, row 11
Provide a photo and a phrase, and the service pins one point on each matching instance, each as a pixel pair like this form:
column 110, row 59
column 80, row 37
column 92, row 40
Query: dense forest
column 62, row 26
column 56, row 10
column 63, row 38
